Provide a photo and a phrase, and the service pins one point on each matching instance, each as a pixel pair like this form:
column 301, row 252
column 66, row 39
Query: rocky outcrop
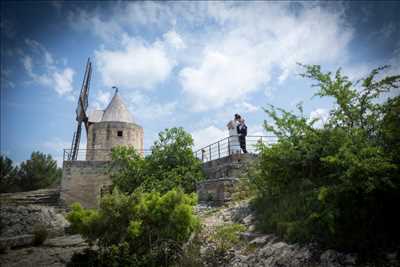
column 44, row 197
column 54, row 252
column 20, row 220
column 258, row 249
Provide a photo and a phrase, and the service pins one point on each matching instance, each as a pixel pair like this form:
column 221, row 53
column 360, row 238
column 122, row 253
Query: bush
column 140, row 229
column 171, row 164
column 226, row 236
column 40, row 234
column 338, row 184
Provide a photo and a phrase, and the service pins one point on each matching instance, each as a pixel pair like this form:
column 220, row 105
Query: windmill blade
column 76, row 141
column 81, row 111
column 83, row 97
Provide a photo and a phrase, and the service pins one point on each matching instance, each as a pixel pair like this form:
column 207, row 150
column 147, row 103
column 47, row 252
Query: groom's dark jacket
column 242, row 129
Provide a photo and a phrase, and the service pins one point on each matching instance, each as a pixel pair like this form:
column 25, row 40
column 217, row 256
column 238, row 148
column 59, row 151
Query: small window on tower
column 119, row 133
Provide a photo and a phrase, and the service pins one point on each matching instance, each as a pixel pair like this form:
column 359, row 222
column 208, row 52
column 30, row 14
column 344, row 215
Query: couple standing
column 237, row 135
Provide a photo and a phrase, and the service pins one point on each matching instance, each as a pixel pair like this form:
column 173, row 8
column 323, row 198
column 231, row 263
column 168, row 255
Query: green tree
column 171, row 164
column 9, row 181
column 40, row 171
column 338, row 184
column 140, row 229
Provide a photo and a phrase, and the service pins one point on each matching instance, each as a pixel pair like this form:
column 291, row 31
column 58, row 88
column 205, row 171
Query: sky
column 185, row 64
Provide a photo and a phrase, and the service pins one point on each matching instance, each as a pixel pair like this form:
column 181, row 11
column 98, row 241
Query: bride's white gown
column 234, row 146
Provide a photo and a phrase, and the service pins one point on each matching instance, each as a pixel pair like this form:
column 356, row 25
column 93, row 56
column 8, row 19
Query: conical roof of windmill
column 117, row 111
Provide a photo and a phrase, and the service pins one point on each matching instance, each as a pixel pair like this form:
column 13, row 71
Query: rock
column 248, row 220
column 350, row 259
column 251, row 228
column 261, row 240
column 330, row 258
column 249, row 235
column 15, row 241
column 54, row 252
column 20, row 220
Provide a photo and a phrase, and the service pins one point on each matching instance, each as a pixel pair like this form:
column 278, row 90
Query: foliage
column 339, row 184
column 140, row 229
column 170, row 164
column 9, row 181
column 40, row 234
column 226, row 236
column 40, row 171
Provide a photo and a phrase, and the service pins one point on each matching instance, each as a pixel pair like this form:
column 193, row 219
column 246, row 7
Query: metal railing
column 95, row 154
column 222, row 148
column 230, row 145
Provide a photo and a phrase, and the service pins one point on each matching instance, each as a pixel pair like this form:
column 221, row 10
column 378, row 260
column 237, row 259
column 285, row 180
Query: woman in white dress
column 233, row 140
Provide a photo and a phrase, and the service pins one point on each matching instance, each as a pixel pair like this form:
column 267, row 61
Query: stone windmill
column 105, row 129
column 84, row 178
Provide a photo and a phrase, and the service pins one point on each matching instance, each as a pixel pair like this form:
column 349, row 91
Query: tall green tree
column 9, row 181
column 40, row 171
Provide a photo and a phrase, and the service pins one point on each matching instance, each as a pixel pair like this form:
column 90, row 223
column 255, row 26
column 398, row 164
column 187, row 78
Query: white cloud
column 107, row 30
column 224, row 75
column 240, row 49
column 174, row 39
column 50, row 75
column 322, row 116
column 102, row 99
column 256, row 38
column 63, row 81
column 146, row 108
column 137, row 65
column 208, row 135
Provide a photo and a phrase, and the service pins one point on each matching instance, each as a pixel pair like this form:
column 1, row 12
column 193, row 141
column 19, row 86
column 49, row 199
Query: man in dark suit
column 242, row 132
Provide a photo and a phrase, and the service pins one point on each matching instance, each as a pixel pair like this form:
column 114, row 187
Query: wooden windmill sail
column 81, row 115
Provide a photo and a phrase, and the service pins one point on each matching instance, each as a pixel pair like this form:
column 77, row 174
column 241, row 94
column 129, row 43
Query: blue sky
column 189, row 64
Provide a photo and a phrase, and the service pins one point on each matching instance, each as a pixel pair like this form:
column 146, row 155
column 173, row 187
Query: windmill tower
column 112, row 127
column 84, row 180
column 105, row 129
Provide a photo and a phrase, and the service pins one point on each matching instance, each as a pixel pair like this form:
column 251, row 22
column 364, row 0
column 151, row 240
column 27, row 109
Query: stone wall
column 83, row 181
column 222, row 177
column 103, row 136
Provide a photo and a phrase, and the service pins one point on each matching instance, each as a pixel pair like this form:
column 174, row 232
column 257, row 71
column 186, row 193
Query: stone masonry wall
column 83, row 181
column 103, row 136
column 222, row 177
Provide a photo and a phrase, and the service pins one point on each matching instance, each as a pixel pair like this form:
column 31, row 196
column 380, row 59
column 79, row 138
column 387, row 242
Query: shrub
column 226, row 236
column 40, row 234
column 338, row 184
column 139, row 229
column 171, row 164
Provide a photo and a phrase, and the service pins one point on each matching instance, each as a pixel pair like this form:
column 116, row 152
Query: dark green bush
column 171, row 164
column 140, row 229
column 40, row 234
column 338, row 185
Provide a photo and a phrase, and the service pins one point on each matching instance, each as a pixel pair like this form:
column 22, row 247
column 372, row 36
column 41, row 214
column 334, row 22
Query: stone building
column 83, row 180
column 112, row 127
